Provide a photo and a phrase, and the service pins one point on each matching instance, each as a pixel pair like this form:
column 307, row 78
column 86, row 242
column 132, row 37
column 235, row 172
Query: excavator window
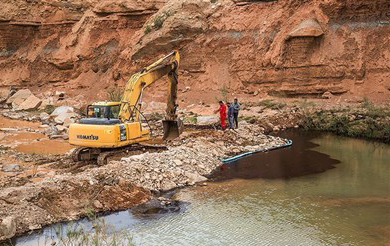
column 101, row 112
column 101, row 115
column 114, row 112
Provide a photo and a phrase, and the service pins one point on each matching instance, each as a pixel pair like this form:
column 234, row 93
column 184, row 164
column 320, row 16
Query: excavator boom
column 132, row 97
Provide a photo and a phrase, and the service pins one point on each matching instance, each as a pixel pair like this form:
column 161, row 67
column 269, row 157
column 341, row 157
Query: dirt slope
column 286, row 48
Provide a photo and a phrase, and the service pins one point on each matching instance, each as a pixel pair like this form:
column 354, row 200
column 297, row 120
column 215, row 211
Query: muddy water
column 340, row 195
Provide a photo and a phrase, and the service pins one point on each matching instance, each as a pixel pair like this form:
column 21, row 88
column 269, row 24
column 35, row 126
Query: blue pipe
column 235, row 158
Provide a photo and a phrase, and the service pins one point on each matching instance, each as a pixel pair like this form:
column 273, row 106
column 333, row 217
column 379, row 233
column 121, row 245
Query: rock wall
column 286, row 48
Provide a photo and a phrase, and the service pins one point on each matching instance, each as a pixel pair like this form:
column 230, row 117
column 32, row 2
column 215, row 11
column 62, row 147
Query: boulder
column 60, row 95
column 64, row 117
column 168, row 185
column 44, row 117
column 307, row 28
column 31, row 103
column 194, row 177
column 19, row 97
column 68, row 121
column 61, row 128
column 51, row 130
column 327, row 95
column 97, row 204
column 207, row 120
column 11, row 168
column 7, row 228
column 4, row 94
column 46, row 102
column 62, row 110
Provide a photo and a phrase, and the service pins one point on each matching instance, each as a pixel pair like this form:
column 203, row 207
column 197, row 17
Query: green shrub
column 345, row 123
column 76, row 234
column 158, row 22
column 147, row 30
column 191, row 120
column 49, row 109
column 269, row 103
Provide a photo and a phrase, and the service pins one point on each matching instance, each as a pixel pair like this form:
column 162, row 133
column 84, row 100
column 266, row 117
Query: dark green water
column 345, row 202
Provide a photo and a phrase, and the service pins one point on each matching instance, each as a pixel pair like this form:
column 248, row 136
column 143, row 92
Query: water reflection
column 294, row 161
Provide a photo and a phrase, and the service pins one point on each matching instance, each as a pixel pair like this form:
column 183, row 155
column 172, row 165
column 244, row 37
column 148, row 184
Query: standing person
column 236, row 107
column 222, row 114
column 230, row 115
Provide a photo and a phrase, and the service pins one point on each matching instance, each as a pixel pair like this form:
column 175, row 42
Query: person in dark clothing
column 236, row 109
column 230, row 115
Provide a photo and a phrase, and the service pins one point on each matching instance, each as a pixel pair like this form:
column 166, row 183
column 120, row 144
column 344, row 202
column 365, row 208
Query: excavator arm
column 132, row 98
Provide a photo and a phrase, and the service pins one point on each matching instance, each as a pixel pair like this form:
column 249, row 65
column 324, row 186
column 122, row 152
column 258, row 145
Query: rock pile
column 188, row 160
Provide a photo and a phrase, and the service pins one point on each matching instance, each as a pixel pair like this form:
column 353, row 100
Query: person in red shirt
column 222, row 114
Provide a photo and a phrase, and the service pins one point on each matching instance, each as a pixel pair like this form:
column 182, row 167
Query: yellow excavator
column 112, row 127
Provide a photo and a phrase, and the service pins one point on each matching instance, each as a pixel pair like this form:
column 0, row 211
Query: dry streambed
column 125, row 183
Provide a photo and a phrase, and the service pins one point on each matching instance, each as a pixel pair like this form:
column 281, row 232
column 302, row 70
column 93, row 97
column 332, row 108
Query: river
column 324, row 190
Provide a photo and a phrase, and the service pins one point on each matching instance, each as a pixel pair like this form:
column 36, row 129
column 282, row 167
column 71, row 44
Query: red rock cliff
column 284, row 48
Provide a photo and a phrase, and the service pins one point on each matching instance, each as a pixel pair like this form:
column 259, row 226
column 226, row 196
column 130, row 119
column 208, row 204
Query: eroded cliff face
column 286, row 48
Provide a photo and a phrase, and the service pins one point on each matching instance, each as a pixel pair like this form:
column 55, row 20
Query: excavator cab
column 102, row 113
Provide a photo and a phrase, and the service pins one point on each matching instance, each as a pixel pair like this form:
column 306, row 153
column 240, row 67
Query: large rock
column 194, row 177
column 46, row 102
column 207, row 120
column 69, row 121
column 64, row 114
column 11, row 168
column 61, row 128
column 19, row 97
column 62, row 110
column 4, row 93
column 31, row 103
column 44, row 117
column 7, row 228
column 65, row 118
column 327, row 95
column 307, row 28
column 168, row 185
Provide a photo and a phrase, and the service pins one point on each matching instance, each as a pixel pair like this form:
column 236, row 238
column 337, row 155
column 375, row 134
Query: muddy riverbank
column 39, row 185
column 73, row 191
column 345, row 203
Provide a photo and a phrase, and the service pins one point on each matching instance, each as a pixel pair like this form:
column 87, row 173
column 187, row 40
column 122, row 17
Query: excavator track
column 101, row 155
column 77, row 154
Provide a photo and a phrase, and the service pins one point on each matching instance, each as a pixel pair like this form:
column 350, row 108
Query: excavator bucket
column 172, row 128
